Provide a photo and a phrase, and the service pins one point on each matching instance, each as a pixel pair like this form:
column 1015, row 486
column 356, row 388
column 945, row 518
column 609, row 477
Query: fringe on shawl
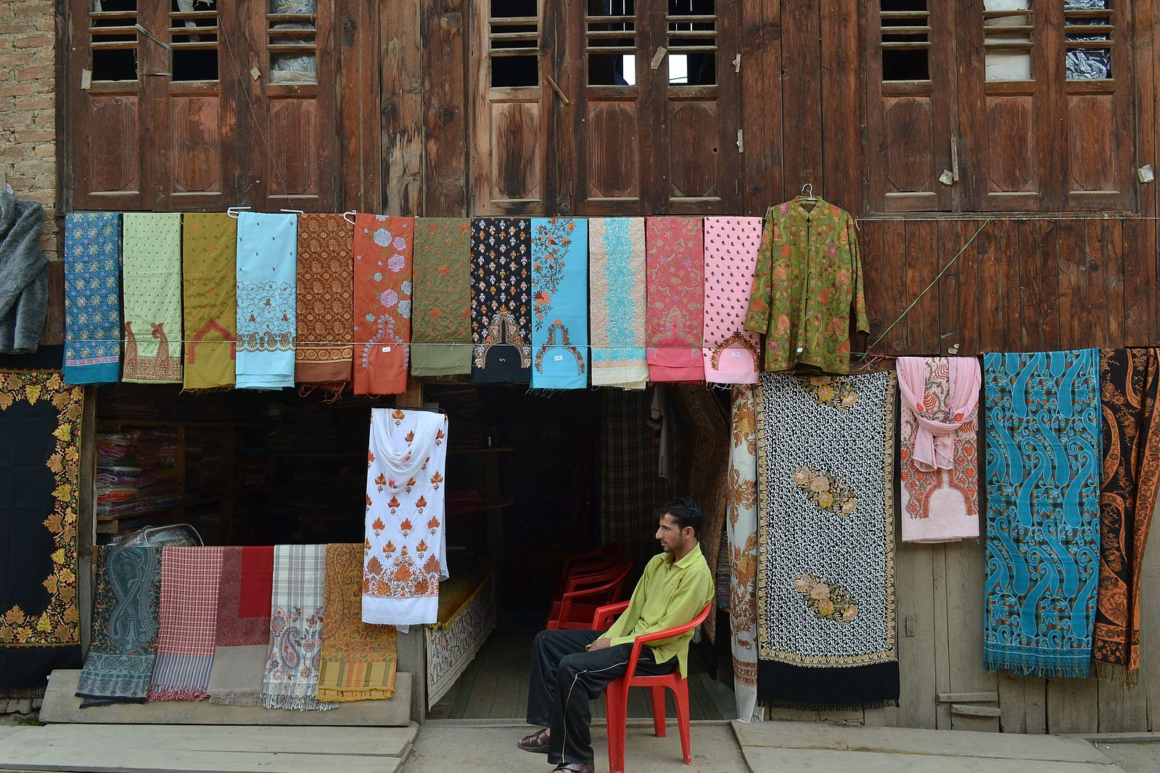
column 296, row 703
column 176, row 694
column 1116, row 673
column 249, row 699
column 1018, row 664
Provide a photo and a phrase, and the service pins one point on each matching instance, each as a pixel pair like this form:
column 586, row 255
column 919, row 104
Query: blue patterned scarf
column 267, row 300
column 1043, row 512
column 124, row 648
column 617, row 260
column 559, row 303
column 92, row 297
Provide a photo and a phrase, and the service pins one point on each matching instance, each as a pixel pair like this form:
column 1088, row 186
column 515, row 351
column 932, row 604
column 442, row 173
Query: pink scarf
column 934, row 440
column 731, row 354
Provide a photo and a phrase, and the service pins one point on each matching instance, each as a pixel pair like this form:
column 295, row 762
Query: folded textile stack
column 136, row 471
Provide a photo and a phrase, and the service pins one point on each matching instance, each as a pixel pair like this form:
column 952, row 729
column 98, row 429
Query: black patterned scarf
column 501, row 271
column 825, row 584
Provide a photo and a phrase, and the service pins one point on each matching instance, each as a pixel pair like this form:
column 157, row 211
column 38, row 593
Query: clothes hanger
column 349, row 215
column 810, row 196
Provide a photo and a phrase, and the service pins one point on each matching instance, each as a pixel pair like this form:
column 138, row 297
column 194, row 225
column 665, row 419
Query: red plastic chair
column 588, row 562
column 579, row 602
column 616, row 694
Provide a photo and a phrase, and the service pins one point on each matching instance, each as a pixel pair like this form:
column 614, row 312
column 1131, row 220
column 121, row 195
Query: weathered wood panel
column 761, row 104
column 444, row 36
column 359, row 35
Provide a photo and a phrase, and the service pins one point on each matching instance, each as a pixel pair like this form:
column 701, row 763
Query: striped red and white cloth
column 187, row 623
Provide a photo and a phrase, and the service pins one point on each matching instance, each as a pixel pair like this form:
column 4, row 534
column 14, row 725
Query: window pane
column 610, row 42
column 195, row 54
column 292, row 42
column 905, row 40
column 1007, row 29
column 692, row 42
column 513, row 43
column 114, row 40
column 1088, row 39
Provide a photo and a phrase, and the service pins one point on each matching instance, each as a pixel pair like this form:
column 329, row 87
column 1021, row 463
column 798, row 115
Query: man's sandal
column 537, row 742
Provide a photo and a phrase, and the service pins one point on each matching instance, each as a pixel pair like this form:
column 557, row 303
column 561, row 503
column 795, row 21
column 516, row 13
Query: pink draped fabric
column 675, row 285
column 730, row 352
column 939, row 496
column 934, row 439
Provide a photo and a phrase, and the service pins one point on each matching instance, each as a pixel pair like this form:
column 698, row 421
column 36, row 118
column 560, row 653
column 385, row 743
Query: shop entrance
column 531, row 479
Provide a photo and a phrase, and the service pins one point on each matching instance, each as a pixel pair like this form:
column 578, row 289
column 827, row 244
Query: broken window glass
column 692, row 42
column 1088, row 39
column 905, row 31
column 1007, row 43
column 513, row 43
column 293, row 55
column 610, row 41
column 193, row 35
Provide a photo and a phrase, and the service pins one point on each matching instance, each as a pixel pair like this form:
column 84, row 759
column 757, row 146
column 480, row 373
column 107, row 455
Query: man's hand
column 600, row 644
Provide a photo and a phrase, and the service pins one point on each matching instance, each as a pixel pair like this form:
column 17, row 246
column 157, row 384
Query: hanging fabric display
column 120, row 663
column 151, row 278
column 92, row 297
column 676, row 298
column 296, row 616
column 617, row 281
column 358, row 660
column 501, row 327
column 742, row 539
column 731, row 353
column 242, row 637
column 267, row 290
column 382, row 303
column 807, row 285
column 441, row 326
column 187, row 623
column 1129, row 382
column 406, row 554
column 559, row 303
column 40, row 442
column 325, row 282
column 825, row 587
column 939, row 448
column 1043, row 512
column 209, row 272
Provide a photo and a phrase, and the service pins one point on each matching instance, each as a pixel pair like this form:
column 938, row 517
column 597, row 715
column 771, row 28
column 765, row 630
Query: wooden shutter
column 1097, row 87
column 109, row 62
column 698, row 151
column 911, row 85
column 510, row 97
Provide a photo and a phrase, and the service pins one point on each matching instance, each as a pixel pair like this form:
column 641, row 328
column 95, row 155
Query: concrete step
column 62, row 706
column 181, row 748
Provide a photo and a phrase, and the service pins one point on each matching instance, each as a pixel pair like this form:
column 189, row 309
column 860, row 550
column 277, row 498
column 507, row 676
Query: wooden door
column 911, row 93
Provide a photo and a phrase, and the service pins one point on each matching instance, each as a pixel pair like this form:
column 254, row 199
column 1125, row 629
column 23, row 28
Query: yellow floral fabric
column 807, row 285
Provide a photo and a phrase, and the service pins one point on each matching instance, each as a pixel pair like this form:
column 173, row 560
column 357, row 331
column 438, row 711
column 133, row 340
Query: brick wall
column 27, row 104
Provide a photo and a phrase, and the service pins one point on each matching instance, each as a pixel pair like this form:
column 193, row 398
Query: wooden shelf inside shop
column 483, row 507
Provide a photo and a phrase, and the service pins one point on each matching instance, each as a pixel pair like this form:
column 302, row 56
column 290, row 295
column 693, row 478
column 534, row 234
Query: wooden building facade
column 1023, row 123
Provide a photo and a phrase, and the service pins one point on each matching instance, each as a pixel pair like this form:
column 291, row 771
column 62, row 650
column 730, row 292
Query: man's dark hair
column 685, row 511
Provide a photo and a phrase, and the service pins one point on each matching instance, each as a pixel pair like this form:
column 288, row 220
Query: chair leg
column 682, row 696
column 613, row 701
column 658, row 709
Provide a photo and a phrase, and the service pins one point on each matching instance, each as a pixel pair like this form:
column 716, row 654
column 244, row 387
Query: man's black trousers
column 566, row 677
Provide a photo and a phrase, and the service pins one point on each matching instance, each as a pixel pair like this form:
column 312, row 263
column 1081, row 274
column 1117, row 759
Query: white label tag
column 386, row 350
column 558, row 358
column 736, row 353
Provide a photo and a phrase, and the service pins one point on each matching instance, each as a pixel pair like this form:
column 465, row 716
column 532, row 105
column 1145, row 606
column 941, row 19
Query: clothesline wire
column 933, row 282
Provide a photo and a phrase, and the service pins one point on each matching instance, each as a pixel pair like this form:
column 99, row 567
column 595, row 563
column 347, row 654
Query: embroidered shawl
column 92, row 297
column 209, row 265
column 559, row 303
column 382, row 303
column 807, row 286
column 731, row 352
column 617, row 279
column 742, row 542
column 441, row 326
column 1129, row 381
column 501, row 327
column 325, row 282
column 405, row 547
column 124, row 646
column 40, row 442
column 296, row 615
column 242, row 638
column 940, row 467
column 676, row 298
column 267, row 291
column 187, row 623
column 151, row 280
column 1043, row 540
column 358, row 660
column 825, row 585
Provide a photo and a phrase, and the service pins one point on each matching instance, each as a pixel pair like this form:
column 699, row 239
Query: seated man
column 571, row 668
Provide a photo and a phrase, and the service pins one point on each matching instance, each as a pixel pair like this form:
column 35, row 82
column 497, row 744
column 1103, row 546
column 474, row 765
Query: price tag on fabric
column 386, row 350
column 558, row 358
